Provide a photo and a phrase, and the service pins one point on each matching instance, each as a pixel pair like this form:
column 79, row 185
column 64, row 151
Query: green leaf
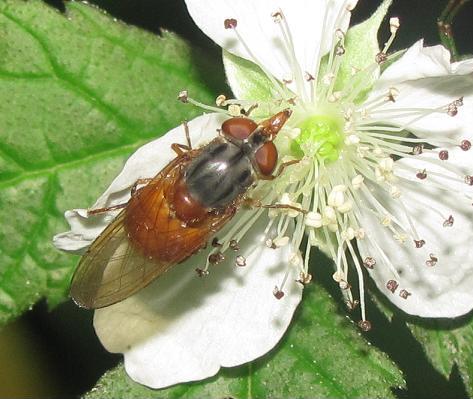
column 78, row 93
column 448, row 344
column 247, row 79
column 322, row 356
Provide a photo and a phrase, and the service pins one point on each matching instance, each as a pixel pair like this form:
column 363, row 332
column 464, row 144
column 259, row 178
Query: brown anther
column 308, row 77
column 421, row 175
column 443, row 155
column 230, row 23
column 287, row 81
column 418, row 149
column 240, row 261
column 380, row 58
column 277, row 16
column 292, row 100
column 216, row 258
column 449, row 221
column 369, row 262
column 469, row 180
column 304, row 278
column 452, row 108
column 404, row 294
column 183, row 96
column 215, row 243
column 202, row 272
column 352, row 305
column 234, row 245
column 278, row 293
column 390, row 97
column 432, row 261
column 365, row 325
column 340, row 50
column 392, row 285
column 465, row 145
column 419, row 243
column 270, row 243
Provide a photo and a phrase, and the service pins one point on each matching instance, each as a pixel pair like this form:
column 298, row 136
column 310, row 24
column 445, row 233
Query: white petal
column 425, row 78
column 312, row 24
column 146, row 162
column 443, row 289
column 184, row 328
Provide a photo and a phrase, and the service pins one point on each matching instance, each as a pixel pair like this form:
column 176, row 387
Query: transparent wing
column 112, row 269
column 115, row 267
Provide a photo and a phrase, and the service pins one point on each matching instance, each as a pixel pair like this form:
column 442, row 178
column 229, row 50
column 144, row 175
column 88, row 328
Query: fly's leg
column 253, row 203
column 180, row 149
column 133, row 190
column 281, row 169
column 444, row 23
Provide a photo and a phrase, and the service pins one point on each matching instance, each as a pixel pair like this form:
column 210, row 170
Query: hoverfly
column 174, row 214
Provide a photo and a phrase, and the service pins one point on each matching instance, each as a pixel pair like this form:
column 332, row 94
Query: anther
column 392, row 285
column 449, row 221
column 344, row 285
column 230, row 23
column 240, row 261
column 452, row 108
column 202, row 272
column 183, row 96
column 380, row 58
column 394, row 25
column 308, row 77
column 277, row 16
column 220, row 101
column 421, row 175
column 369, row 262
column 215, row 243
column 365, row 325
column 340, row 50
column 465, row 145
column 432, row 261
column 352, row 305
column 278, row 293
column 418, row 149
column 234, row 110
column 216, row 258
column 443, row 155
column 304, row 278
column 270, row 243
column 404, row 294
column 419, row 243
column 392, row 94
column 469, row 180
column 234, row 245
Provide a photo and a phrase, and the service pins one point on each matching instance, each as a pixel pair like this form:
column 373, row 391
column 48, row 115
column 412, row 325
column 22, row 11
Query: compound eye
column 238, row 128
column 266, row 158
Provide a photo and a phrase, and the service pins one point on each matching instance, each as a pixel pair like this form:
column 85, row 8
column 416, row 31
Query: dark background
column 56, row 354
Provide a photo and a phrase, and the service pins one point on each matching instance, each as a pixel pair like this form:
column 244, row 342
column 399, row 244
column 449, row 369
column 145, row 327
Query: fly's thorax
column 219, row 174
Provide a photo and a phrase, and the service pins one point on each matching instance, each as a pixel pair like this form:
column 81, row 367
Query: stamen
column 232, row 24
column 184, row 98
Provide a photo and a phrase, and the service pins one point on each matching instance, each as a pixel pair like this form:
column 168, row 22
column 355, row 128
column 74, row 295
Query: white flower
column 383, row 163
column 384, row 149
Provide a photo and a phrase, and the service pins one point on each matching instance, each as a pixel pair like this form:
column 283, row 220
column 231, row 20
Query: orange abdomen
column 153, row 228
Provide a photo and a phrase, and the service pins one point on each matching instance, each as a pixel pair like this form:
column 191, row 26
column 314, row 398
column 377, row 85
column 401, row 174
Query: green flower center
column 321, row 136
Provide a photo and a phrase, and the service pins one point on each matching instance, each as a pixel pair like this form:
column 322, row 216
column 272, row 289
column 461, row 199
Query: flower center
column 321, row 136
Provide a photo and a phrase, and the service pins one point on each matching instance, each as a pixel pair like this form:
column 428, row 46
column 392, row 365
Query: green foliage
column 448, row 344
column 78, row 93
column 322, row 356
